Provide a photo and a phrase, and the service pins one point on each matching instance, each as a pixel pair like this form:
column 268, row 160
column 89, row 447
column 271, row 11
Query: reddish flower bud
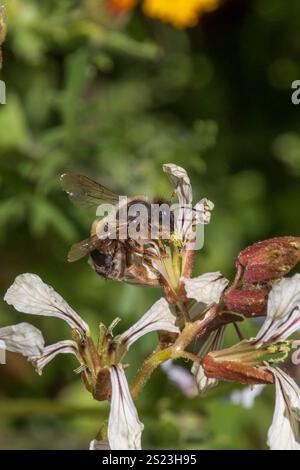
column 269, row 259
column 251, row 302
column 236, row 371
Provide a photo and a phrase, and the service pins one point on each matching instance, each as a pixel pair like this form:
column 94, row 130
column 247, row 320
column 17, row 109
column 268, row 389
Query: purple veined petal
column 214, row 342
column 22, row 338
column 206, row 288
column 29, row 294
column 283, row 315
column 124, row 427
column 284, row 431
column 158, row 317
column 186, row 215
column 51, row 351
column 180, row 180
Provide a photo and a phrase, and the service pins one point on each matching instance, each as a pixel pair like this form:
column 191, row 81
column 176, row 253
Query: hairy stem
column 190, row 331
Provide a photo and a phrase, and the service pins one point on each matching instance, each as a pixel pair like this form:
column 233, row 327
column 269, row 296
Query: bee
column 119, row 258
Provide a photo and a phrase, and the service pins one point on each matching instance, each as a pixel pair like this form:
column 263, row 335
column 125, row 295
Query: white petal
column 181, row 378
column 159, row 317
column 29, row 294
column 247, row 396
column 23, row 338
column 203, row 211
column 206, row 288
column 184, row 213
column 51, row 351
column 181, row 181
column 284, row 431
column 124, row 426
column 213, row 343
column 283, row 315
column 99, row 445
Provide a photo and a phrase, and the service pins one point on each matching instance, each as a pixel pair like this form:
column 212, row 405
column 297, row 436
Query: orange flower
column 180, row 13
column 121, row 5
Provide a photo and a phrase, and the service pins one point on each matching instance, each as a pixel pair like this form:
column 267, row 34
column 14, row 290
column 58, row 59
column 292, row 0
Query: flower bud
column 236, row 371
column 102, row 388
column 269, row 259
column 251, row 302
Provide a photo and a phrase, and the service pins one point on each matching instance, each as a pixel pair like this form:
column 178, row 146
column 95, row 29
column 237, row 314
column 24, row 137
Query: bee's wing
column 85, row 192
column 83, row 248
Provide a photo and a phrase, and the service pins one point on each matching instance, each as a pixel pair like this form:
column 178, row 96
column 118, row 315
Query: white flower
column 214, row 342
column 29, row 294
column 283, row 319
column 284, row 431
column 99, row 445
column 124, row 426
column 22, row 338
column 283, row 313
column 181, row 378
column 158, row 317
column 181, row 181
column 186, row 214
column 51, row 351
column 247, row 396
column 206, row 288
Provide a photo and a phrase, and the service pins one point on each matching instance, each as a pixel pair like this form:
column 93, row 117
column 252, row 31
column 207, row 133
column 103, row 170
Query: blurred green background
column 115, row 96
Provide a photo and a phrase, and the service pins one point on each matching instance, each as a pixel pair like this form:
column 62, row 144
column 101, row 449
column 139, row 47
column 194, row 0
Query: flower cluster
column 179, row 13
column 190, row 321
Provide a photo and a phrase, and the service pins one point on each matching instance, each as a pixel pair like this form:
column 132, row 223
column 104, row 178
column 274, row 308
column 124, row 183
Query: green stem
column 148, row 367
column 190, row 331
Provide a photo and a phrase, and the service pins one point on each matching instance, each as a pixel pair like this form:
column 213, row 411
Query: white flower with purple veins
column 173, row 259
column 187, row 215
column 207, row 290
column 213, row 342
column 282, row 320
column 29, row 294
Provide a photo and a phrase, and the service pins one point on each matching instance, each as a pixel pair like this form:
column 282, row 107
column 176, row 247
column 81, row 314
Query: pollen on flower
column 180, row 13
column 177, row 242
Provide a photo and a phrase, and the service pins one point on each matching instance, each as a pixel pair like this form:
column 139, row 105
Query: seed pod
column 102, row 389
column 251, row 301
column 236, row 371
column 269, row 259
